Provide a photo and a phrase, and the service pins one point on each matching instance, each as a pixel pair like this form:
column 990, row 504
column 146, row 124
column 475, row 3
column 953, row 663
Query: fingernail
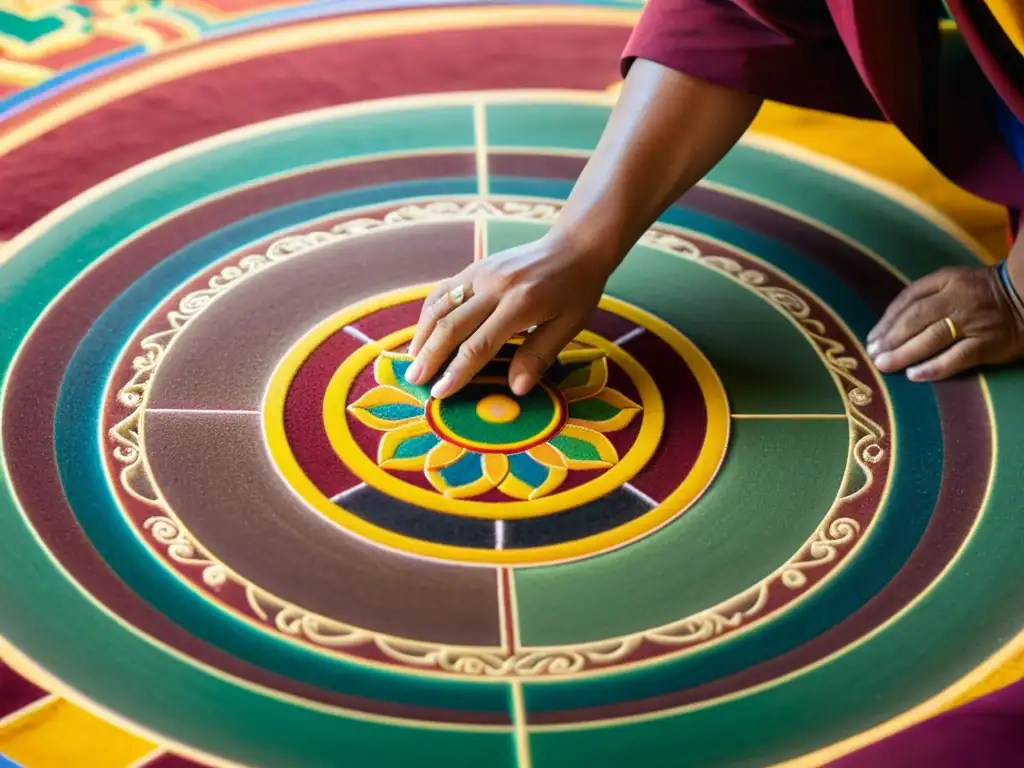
column 917, row 374
column 412, row 373
column 873, row 348
column 521, row 384
column 443, row 385
column 882, row 360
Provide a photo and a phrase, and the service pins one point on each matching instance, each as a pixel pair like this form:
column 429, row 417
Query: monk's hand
column 548, row 286
column 949, row 322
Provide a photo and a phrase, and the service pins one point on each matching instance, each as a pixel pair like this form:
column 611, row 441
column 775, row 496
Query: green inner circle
column 459, row 414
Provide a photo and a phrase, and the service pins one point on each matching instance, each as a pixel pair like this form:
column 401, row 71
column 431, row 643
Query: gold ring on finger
column 457, row 295
column 952, row 328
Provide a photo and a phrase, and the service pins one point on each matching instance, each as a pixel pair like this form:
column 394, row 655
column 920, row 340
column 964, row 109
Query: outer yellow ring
column 705, row 468
column 336, row 400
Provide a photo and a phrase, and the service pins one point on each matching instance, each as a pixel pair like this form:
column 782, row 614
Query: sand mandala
column 236, row 532
column 626, row 431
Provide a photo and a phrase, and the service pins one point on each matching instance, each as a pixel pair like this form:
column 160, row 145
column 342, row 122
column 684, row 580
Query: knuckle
column 433, row 315
column 445, row 325
column 530, row 292
column 473, row 349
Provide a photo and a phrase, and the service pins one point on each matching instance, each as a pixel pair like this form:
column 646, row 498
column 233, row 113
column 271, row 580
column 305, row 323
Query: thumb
column 538, row 352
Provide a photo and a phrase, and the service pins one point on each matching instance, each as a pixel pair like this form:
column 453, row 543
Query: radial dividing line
column 522, row 735
column 640, row 494
column 338, row 499
column 628, row 337
column 355, row 333
column 504, row 619
column 480, row 138
column 800, row 416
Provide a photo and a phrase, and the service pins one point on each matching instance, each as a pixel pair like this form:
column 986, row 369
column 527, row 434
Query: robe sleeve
column 783, row 50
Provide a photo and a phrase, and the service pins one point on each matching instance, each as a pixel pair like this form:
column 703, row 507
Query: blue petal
column 395, row 411
column 466, row 470
column 527, row 469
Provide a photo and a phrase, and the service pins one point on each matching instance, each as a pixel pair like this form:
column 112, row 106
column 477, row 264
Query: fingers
column 929, row 342
column 434, row 307
column 958, row 358
column 448, row 331
column 538, row 352
column 914, row 292
column 913, row 320
column 476, row 351
column 437, row 305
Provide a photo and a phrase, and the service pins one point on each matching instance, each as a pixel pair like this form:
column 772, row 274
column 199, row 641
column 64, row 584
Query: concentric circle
column 850, row 550
column 468, row 420
column 580, row 440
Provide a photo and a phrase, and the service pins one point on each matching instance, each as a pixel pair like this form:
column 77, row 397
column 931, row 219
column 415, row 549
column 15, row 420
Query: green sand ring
column 974, row 614
column 485, row 417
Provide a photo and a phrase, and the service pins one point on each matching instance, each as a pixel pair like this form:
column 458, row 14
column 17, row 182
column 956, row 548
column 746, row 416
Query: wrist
column 1015, row 264
column 600, row 246
column 1011, row 274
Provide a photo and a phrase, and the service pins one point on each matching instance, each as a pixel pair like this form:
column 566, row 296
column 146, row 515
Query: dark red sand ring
column 684, row 410
column 304, row 417
column 383, row 322
column 63, row 163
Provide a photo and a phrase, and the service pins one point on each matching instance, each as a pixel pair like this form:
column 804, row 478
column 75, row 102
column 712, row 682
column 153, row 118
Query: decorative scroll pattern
column 869, row 435
column 834, row 536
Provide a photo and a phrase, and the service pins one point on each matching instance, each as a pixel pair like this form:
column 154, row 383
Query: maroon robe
column 882, row 59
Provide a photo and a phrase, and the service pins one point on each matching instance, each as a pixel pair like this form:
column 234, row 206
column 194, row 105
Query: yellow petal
column 627, row 410
column 516, row 488
column 596, row 381
column 443, row 455
column 384, row 370
column 483, row 485
column 547, row 456
column 385, row 395
column 379, row 396
column 577, row 354
column 556, row 476
column 495, row 468
column 606, row 454
column 391, row 441
column 552, row 461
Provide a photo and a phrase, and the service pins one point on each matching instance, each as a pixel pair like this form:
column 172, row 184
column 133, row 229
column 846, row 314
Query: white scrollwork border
column 826, row 544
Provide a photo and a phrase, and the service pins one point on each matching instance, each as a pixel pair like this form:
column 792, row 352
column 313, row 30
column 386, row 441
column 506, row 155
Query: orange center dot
column 497, row 409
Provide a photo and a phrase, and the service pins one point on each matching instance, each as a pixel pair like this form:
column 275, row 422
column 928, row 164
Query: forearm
column 664, row 135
